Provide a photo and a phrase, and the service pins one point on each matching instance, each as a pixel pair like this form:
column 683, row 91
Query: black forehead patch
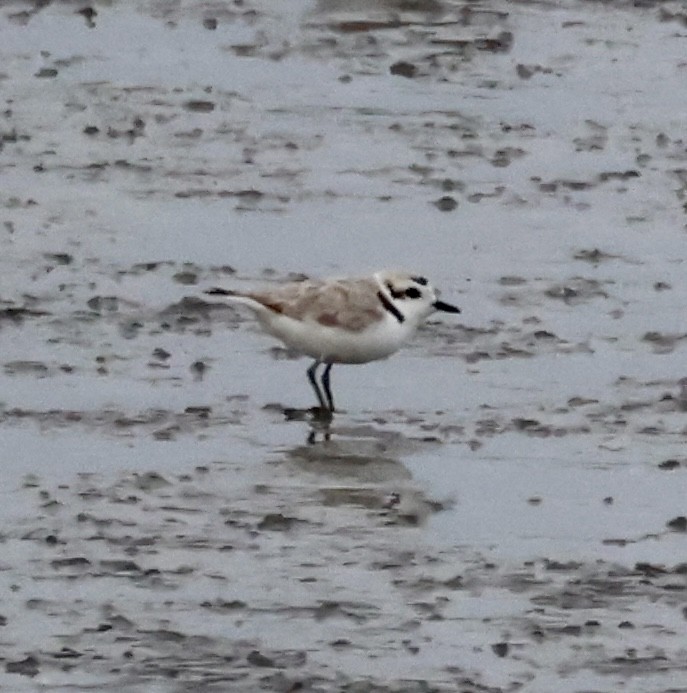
column 422, row 281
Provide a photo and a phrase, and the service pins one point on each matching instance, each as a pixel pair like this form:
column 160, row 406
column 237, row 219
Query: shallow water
column 500, row 506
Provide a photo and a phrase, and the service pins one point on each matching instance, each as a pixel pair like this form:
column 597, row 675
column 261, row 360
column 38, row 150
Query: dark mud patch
column 161, row 424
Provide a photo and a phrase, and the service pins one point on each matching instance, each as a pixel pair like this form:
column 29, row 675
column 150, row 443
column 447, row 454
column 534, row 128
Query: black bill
column 445, row 307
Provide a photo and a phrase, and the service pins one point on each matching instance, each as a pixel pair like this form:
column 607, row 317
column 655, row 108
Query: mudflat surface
column 499, row 507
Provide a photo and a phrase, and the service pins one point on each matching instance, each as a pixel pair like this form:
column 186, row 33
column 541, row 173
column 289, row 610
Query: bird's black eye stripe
column 412, row 292
column 422, row 281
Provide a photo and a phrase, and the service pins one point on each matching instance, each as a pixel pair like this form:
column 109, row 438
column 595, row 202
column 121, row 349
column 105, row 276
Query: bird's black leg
column 312, row 372
column 327, row 387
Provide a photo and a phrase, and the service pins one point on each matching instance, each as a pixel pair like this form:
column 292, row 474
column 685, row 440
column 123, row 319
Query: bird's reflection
column 360, row 465
column 319, row 418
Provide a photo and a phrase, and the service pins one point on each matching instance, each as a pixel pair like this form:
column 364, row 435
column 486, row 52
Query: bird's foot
column 322, row 414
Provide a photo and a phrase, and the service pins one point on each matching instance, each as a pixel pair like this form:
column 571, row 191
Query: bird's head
column 411, row 295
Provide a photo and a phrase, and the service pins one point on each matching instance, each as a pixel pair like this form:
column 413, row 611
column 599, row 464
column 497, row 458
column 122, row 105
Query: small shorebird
column 350, row 320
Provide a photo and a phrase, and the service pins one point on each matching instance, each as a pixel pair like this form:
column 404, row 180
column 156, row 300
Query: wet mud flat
column 500, row 507
column 312, row 574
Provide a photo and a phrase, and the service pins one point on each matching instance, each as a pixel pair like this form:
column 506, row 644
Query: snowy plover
column 343, row 320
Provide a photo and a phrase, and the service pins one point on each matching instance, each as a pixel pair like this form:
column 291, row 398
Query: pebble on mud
column 197, row 106
column 257, row 659
column 103, row 303
column 446, row 203
column 500, row 649
column 186, row 278
column 25, row 667
column 76, row 562
column 46, row 72
column 276, row 522
column 199, row 411
column 198, row 369
column 59, row 258
column 88, row 13
column 678, row 524
column 403, row 69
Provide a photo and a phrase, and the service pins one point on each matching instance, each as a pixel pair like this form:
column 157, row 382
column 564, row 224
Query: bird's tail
column 238, row 297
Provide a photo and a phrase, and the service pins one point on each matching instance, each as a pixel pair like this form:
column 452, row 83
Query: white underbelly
column 335, row 345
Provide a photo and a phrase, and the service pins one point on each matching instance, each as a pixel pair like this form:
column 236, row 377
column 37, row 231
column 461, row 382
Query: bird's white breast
column 335, row 344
